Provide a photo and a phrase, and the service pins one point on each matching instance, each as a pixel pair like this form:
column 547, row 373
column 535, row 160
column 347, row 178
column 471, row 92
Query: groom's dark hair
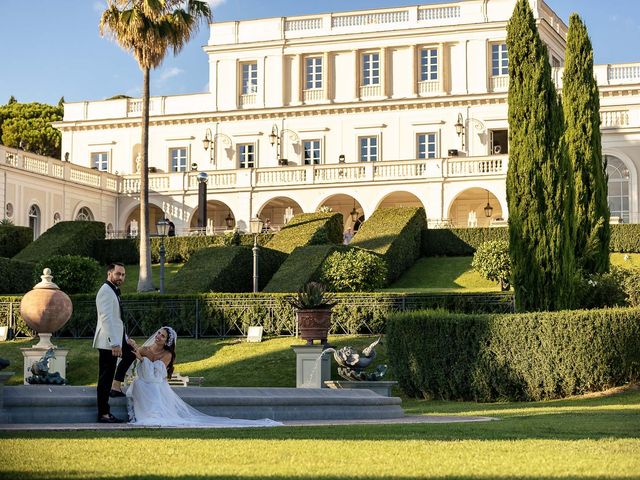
column 112, row 266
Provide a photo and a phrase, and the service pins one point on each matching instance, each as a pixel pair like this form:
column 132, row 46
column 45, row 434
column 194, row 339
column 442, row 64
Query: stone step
column 68, row 404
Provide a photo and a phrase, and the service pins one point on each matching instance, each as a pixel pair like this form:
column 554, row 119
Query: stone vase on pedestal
column 314, row 324
column 45, row 309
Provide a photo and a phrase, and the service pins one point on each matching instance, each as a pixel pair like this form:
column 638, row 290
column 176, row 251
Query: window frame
column 177, row 166
column 427, row 152
column 367, row 157
column 100, row 161
column 426, row 70
column 242, row 156
column 249, row 85
column 370, row 75
column 499, row 59
column 313, row 149
column 316, row 76
column 622, row 180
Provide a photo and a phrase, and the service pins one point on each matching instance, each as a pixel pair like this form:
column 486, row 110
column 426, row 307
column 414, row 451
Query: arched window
column 618, row 188
column 34, row 220
column 84, row 215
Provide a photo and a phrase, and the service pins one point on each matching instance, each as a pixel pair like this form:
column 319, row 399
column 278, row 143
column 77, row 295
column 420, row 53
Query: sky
column 52, row 48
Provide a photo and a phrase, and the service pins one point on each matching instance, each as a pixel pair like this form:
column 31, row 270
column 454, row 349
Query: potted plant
column 313, row 312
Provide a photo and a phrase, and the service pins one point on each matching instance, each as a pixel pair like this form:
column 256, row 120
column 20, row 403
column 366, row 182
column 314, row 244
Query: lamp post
column 210, row 143
column 488, row 210
column 460, row 128
column 162, row 227
column 354, row 213
column 229, row 220
column 203, row 178
column 274, row 138
column 256, row 226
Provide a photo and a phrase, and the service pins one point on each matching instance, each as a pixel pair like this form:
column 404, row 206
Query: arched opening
column 475, row 207
column 279, row 211
column 351, row 210
column 400, row 199
column 34, row 220
column 84, row 215
column 220, row 218
column 618, row 187
column 132, row 225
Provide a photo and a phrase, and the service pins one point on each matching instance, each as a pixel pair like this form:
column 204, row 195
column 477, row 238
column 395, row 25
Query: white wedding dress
column 152, row 402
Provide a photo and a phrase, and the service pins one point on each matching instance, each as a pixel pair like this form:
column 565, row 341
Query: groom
column 110, row 340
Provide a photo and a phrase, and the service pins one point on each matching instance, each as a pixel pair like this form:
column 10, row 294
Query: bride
column 150, row 399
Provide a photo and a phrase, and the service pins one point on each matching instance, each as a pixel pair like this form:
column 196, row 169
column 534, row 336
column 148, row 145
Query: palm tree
column 148, row 29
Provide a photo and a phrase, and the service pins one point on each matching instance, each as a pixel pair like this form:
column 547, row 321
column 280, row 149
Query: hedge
column 13, row 239
column 459, row 242
column 15, row 276
column 625, row 238
column 177, row 249
column 64, row 238
column 396, row 235
column 300, row 267
column 225, row 269
column 532, row 356
column 308, row 229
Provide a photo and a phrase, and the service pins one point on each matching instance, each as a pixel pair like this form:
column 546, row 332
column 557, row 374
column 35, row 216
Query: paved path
column 411, row 419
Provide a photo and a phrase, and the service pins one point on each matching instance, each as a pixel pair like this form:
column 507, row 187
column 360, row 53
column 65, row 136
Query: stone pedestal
column 380, row 387
column 311, row 371
column 4, row 376
column 57, row 364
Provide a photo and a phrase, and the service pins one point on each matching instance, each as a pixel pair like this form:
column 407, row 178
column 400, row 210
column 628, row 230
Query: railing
column 377, row 18
column 134, row 106
column 625, row 73
column 57, row 169
column 382, row 171
column 499, row 83
column 303, row 24
column 472, row 167
column 614, row 118
column 370, row 91
column 247, row 99
column 313, row 95
column 287, row 176
column 428, row 87
column 216, row 179
column 438, row 13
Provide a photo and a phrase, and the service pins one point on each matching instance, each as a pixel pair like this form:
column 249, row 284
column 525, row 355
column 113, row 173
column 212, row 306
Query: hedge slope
column 308, row 229
column 300, row 267
column 13, row 239
column 64, row 238
column 396, row 235
column 15, row 276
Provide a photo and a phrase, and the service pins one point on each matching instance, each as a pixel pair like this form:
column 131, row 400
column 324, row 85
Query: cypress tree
column 539, row 181
column 581, row 105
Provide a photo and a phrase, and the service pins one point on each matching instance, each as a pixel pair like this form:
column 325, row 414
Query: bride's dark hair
column 172, row 349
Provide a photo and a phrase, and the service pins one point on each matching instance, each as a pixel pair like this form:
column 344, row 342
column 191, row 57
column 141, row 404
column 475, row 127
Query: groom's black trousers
column 107, row 372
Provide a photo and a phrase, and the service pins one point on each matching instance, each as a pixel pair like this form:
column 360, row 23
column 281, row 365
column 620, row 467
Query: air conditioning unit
column 453, row 152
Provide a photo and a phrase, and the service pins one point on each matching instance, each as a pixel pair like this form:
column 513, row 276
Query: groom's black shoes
column 109, row 419
column 116, row 393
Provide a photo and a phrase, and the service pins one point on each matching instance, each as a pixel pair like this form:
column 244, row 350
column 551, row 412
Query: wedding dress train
column 152, row 402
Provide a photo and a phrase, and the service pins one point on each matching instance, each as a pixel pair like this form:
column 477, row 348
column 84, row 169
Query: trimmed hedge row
column 225, row 269
column 459, row 242
column 625, row 238
column 530, row 356
column 13, row 239
column 15, row 276
column 396, row 235
column 64, row 238
column 300, row 267
column 177, row 249
column 308, row 229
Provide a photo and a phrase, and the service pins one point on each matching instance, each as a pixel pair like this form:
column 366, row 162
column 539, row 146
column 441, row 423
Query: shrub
column 13, row 239
column 396, row 235
column 15, row 276
column 603, row 290
column 72, row 273
column 300, row 267
column 353, row 270
column 64, row 238
column 308, row 229
column 530, row 356
column 625, row 238
column 631, row 286
column 459, row 242
column 492, row 261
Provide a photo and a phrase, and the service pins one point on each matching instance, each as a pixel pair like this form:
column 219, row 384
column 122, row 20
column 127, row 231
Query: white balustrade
column 81, row 175
column 303, row 24
column 395, row 170
column 313, row 95
column 438, row 13
column 37, row 165
column 494, row 165
column 614, row 118
column 396, row 16
column 370, row 91
column 626, row 73
column 338, row 173
column 428, row 87
column 247, row 99
column 280, row 176
column 11, row 158
column 218, row 180
column 57, row 171
column 499, row 83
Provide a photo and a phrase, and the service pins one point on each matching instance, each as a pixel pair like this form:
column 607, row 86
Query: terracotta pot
column 314, row 325
column 46, row 308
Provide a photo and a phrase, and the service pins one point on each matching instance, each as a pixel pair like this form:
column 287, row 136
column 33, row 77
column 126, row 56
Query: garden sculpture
column 40, row 371
column 351, row 364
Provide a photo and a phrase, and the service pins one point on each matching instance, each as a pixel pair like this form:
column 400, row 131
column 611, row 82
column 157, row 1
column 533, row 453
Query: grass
column 131, row 283
column 443, row 274
column 625, row 260
column 578, row 438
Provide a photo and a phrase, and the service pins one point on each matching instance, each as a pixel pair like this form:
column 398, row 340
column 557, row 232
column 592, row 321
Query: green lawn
column 131, row 283
column 443, row 274
column 577, row 438
column 632, row 260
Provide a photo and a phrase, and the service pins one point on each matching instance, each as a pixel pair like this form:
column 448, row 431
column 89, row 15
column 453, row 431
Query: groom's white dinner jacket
column 110, row 328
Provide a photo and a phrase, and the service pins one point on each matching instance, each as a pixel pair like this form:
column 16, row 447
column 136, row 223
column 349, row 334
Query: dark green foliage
column 177, row 249
column 15, row 276
column 31, row 124
column 599, row 290
column 581, row 105
column 308, row 229
column 631, row 287
column 312, row 296
column 459, row 242
column 516, row 357
column 353, row 270
column 13, row 239
column 539, row 180
column 64, row 238
column 625, row 238
column 225, row 269
column 396, row 235
column 300, row 267
column 72, row 273
column 492, row 261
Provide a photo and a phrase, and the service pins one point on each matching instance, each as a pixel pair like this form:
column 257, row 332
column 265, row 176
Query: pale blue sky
column 52, row 48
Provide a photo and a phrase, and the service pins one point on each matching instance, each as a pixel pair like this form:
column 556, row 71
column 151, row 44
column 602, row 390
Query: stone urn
column 46, row 309
column 314, row 324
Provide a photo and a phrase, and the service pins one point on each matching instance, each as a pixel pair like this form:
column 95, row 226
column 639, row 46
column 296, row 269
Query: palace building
column 354, row 111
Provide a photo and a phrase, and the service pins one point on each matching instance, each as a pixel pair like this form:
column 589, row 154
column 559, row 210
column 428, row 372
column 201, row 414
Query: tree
column 581, row 106
column 148, row 29
column 492, row 261
column 539, row 181
column 28, row 126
